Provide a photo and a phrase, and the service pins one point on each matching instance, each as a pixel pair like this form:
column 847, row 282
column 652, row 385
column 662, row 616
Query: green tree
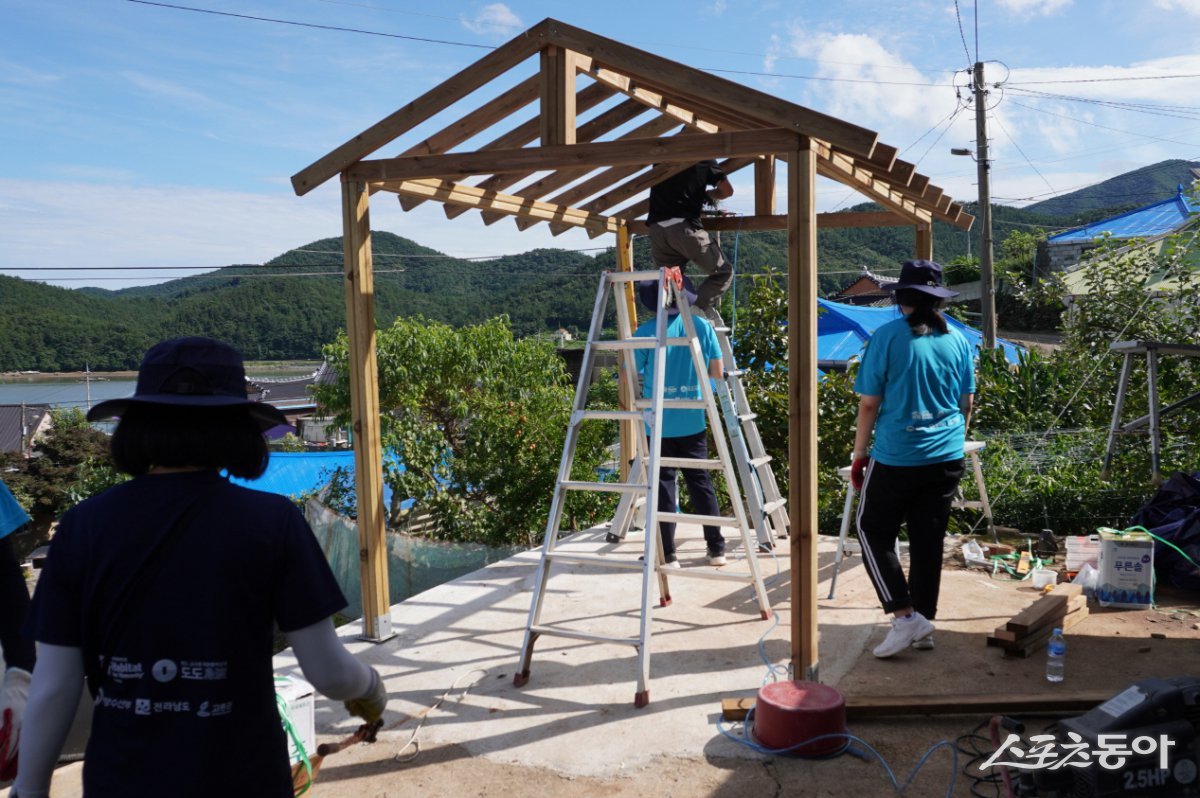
column 476, row 419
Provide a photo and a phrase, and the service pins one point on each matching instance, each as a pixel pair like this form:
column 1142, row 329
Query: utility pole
column 986, row 276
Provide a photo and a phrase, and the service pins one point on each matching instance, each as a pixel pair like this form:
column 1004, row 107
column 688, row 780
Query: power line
column 963, row 36
column 1004, row 130
column 1104, row 80
column 1096, row 124
column 1171, row 112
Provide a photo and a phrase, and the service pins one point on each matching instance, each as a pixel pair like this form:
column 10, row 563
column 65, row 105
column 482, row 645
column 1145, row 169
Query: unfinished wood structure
column 607, row 122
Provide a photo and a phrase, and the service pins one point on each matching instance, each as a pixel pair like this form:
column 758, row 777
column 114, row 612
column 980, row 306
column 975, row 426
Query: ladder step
column 771, row 507
column 707, row 520
column 689, row 462
column 595, row 559
column 756, row 462
column 607, row 487
column 675, row 404
column 611, row 415
column 735, row 372
column 636, row 343
column 554, row 631
column 744, row 417
column 715, row 575
column 633, row 277
column 971, row 505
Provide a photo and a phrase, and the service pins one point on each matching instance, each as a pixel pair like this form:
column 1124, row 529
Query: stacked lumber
column 1028, row 631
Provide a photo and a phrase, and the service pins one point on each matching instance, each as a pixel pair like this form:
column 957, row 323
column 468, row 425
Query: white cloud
column 170, row 91
column 1033, row 8
column 494, row 19
column 1186, row 6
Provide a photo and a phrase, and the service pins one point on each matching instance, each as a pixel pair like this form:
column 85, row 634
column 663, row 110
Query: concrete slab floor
column 573, row 727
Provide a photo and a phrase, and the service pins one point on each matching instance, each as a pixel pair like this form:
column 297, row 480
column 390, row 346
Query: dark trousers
column 920, row 497
column 676, row 244
column 14, row 604
column 700, row 489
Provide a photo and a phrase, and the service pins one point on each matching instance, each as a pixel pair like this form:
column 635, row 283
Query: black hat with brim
column 924, row 276
column 191, row 372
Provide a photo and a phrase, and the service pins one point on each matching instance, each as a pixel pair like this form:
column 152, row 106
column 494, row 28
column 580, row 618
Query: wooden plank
column 628, row 431
column 802, row 403
column 764, row 186
column 868, row 707
column 923, row 243
column 676, row 149
column 440, row 97
column 831, row 221
column 651, row 99
column 364, row 408
column 557, row 96
column 1048, row 606
column 684, row 82
column 474, row 197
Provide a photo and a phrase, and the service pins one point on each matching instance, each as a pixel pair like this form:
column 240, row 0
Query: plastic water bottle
column 1056, row 656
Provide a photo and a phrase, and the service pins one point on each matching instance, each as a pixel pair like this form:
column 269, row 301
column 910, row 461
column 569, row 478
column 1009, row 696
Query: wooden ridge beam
column 445, row 94
column 826, row 221
column 687, row 83
column 678, row 149
column 473, row 197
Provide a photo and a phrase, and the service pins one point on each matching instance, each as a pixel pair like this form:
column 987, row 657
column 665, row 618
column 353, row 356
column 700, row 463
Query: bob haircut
column 175, row 436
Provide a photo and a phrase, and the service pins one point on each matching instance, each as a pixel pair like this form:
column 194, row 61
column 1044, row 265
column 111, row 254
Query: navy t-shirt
column 185, row 704
column 682, row 196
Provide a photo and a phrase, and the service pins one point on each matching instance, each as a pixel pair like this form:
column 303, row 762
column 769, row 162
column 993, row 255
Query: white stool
column 971, row 450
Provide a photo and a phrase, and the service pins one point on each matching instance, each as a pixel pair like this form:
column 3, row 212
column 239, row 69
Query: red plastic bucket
column 788, row 713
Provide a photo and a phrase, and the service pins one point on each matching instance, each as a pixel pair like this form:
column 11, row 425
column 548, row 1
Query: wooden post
column 364, row 403
column 764, row 186
column 558, row 96
column 802, row 404
column 628, row 429
column 924, row 248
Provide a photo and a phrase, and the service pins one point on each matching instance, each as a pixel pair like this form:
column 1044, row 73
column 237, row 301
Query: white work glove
column 13, row 694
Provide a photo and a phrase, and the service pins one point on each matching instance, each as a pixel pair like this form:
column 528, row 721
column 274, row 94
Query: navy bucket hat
column 648, row 293
column 191, row 372
column 924, row 276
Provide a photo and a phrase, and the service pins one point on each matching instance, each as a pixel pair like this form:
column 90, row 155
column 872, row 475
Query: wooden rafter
column 476, row 198
column 676, row 149
column 382, row 133
column 651, row 99
column 843, row 170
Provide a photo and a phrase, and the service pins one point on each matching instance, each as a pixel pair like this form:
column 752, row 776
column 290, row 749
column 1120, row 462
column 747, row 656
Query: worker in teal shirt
column 684, row 432
column 916, row 383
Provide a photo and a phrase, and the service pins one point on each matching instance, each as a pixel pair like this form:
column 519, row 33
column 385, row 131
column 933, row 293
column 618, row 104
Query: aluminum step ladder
column 649, row 411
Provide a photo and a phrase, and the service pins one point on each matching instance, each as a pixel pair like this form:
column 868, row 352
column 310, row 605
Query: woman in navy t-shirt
column 165, row 591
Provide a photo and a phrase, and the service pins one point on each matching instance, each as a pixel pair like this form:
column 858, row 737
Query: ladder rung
column 607, row 487
column 626, row 343
column 771, row 507
column 706, row 573
column 722, row 330
column 554, row 631
column 633, row 277
column 611, row 415
column 689, row 462
column 744, row 417
column 675, row 404
column 706, row 520
column 735, row 372
column 596, row 559
column 970, row 505
column 761, row 461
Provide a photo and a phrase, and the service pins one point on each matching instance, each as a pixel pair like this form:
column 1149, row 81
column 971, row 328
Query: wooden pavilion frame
column 590, row 174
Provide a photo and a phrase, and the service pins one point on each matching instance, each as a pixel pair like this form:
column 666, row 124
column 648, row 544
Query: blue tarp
column 294, row 473
column 843, row 330
column 1152, row 220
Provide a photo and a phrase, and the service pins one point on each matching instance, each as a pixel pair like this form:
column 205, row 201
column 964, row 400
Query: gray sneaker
column 904, row 632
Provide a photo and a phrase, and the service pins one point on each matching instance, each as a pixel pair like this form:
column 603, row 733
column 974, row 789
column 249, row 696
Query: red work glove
column 858, row 470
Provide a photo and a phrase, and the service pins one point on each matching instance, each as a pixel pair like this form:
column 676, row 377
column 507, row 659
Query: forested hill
column 1134, row 189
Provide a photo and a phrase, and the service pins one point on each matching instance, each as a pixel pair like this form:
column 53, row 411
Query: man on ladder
column 684, row 432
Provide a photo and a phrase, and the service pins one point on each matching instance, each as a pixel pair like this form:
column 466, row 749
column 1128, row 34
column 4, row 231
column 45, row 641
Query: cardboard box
column 300, row 699
column 1126, row 577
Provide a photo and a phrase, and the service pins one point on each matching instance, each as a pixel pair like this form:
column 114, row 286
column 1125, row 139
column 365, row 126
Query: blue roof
column 1152, row 220
column 843, row 330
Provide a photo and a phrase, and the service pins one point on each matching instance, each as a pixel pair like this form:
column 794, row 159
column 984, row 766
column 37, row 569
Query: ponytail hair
column 926, row 316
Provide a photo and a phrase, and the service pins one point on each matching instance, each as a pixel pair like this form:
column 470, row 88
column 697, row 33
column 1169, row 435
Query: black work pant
column 920, row 497
column 700, row 489
column 14, row 604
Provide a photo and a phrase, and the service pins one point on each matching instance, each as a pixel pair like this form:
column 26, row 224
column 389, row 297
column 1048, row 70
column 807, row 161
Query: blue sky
column 139, row 135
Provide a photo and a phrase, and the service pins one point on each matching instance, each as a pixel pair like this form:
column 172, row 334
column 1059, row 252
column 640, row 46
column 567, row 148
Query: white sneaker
column 672, row 564
column 904, row 632
column 717, row 558
column 924, row 644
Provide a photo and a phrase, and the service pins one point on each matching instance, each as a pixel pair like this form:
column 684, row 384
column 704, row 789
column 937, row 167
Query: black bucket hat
column 648, row 294
column 191, row 372
column 924, row 276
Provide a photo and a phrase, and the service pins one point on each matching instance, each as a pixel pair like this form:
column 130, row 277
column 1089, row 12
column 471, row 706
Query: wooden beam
column 437, row 99
column 650, row 99
column 558, row 96
column 364, row 409
column 923, row 244
column 802, row 404
column 870, row 707
column 764, row 186
column 825, row 221
column 682, row 83
column 843, row 170
column 476, row 198
column 628, row 432
column 677, row 149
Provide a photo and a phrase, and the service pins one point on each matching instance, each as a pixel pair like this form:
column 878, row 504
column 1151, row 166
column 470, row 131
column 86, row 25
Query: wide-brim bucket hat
column 924, row 276
column 648, row 294
column 191, row 372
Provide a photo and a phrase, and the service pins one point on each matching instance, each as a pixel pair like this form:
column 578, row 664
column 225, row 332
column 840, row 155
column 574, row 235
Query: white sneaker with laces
column 904, row 632
column 924, row 644
column 717, row 558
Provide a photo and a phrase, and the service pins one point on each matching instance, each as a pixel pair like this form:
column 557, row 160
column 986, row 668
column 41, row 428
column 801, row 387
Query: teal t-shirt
column 12, row 516
column 680, row 378
column 920, row 380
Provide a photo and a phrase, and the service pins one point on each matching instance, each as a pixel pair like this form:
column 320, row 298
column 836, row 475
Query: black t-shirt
column 682, row 196
column 186, row 700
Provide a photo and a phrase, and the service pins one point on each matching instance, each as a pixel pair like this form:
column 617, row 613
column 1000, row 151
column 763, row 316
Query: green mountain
column 1134, row 189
